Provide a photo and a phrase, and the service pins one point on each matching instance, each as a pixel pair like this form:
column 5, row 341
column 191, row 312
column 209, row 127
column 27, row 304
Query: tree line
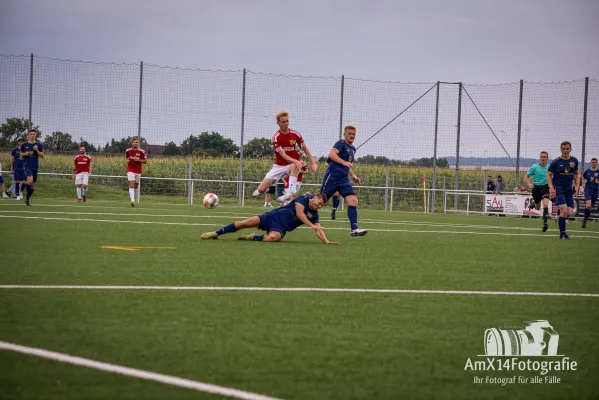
column 206, row 144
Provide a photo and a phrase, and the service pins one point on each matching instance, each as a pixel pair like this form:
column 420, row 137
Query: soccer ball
column 210, row 200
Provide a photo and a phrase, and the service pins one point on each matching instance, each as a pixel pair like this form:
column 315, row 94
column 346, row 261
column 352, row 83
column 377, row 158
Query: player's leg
column 84, row 185
column 12, row 189
column 270, row 236
column 131, row 177
column 275, row 173
column 590, row 198
column 292, row 191
column 252, row 222
column 4, row 195
column 31, row 178
column 78, row 182
column 336, row 201
column 545, row 213
column 352, row 214
column 565, row 203
column 269, row 193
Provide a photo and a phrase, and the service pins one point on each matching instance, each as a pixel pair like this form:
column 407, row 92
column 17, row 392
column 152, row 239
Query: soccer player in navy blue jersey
column 336, row 177
column 562, row 172
column 31, row 152
column 303, row 210
column 16, row 167
column 590, row 185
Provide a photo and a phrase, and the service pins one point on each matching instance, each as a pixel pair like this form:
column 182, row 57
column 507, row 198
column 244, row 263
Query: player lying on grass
column 303, row 210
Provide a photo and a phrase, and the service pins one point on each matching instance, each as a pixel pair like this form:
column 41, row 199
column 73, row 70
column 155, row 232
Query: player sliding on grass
column 303, row 210
column 285, row 142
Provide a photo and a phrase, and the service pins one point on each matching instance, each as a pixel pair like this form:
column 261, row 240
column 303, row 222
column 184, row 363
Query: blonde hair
column 282, row 114
column 349, row 127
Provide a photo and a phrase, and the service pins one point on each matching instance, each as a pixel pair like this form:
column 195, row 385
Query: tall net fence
column 196, row 124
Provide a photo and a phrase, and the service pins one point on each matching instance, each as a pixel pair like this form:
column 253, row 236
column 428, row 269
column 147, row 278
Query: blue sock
column 352, row 214
column 587, row 213
column 562, row 225
column 259, row 238
column 23, row 187
column 28, row 189
column 227, row 229
column 335, row 202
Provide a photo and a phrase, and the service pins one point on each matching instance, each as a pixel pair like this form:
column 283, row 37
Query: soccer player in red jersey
column 82, row 170
column 135, row 158
column 288, row 161
column 298, row 184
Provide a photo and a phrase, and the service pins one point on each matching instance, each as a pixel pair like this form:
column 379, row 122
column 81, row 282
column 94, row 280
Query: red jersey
column 132, row 165
column 82, row 163
column 289, row 143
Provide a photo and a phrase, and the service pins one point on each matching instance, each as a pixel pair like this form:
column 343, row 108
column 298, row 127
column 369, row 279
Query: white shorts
column 278, row 171
column 81, row 178
column 133, row 177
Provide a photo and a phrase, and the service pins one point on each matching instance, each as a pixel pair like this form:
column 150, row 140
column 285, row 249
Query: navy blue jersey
column 31, row 162
column 592, row 178
column 347, row 152
column 563, row 173
column 285, row 217
column 16, row 153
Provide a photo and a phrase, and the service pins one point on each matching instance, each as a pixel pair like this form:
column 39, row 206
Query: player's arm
column 576, row 181
column 334, row 155
column 299, row 212
column 290, row 160
column 550, row 183
column 91, row 165
column 39, row 150
column 12, row 163
column 353, row 175
column 74, row 166
column 528, row 182
column 310, row 158
column 322, row 236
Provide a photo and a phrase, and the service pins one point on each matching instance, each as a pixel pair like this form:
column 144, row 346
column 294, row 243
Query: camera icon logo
column 535, row 338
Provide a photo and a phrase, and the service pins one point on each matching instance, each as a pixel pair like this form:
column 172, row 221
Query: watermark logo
column 531, row 348
column 536, row 338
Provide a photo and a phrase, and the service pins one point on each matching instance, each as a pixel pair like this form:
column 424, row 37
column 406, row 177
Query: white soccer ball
column 210, row 200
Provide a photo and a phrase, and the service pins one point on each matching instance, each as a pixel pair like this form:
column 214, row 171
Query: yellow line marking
column 135, row 248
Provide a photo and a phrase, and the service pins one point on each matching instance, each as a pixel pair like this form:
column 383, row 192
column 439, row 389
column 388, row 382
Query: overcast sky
column 475, row 41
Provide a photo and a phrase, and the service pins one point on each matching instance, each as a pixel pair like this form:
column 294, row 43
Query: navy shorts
column 333, row 183
column 275, row 221
column 31, row 172
column 1, row 180
column 590, row 195
column 20, row 175
column 567, row 199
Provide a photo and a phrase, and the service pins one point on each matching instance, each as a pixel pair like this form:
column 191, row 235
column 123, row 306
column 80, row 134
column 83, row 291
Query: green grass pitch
column 286, row 344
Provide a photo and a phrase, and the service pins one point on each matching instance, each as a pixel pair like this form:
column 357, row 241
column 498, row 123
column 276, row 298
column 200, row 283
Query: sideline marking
column 326, row 228
column 135, row 248
column 137, row 373
column 298, row 289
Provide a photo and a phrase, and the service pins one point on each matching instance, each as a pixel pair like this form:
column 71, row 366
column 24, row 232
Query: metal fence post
column 141, row 80
column 29, row 124
column 584, row 122
column 519, row 133
column 190, row 182
column 386, row 187
column 341, row 108
column 457, row 150
column 392, row 190
column 434, row 186
column 241, row 189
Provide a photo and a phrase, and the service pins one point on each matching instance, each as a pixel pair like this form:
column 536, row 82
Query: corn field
column 254, row 171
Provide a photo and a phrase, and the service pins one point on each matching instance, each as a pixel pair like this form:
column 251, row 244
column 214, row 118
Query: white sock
column 132, row 194
column 79, row 193
column 256, row 193
column 292, row 182
column 266, row 202
column 84, row 191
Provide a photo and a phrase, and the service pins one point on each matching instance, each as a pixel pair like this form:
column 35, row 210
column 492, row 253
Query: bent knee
column 351, row 201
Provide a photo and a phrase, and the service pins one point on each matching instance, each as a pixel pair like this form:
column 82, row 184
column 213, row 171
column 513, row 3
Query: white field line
column 137, row 373
column 326, row 228
column 299, row 289
column 233, row 216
